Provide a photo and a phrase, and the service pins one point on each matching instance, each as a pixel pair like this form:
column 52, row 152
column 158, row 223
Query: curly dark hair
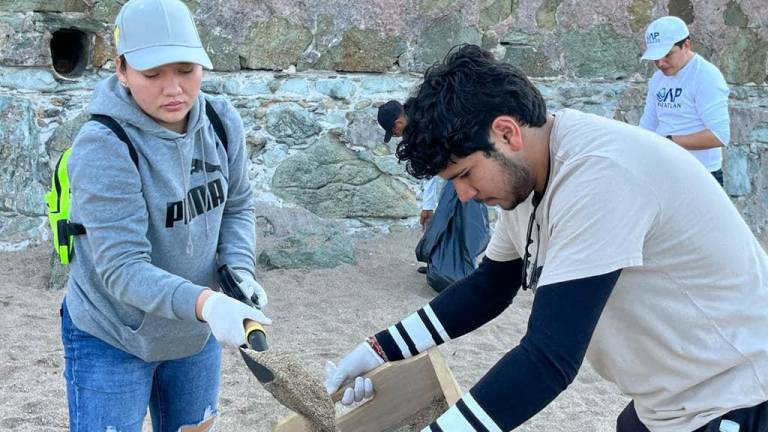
column 451, row 114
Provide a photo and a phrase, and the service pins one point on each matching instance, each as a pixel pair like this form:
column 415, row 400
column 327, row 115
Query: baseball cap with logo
column 152, row 33
column 387, row 116
column 661, row 35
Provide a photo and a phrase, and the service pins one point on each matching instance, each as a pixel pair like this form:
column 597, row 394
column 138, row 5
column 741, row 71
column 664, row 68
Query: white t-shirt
column 429, row 195
column 685, row 330
column 694, row 99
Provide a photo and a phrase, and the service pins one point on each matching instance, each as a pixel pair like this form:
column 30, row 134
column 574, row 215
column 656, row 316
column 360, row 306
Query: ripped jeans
column 109, row 390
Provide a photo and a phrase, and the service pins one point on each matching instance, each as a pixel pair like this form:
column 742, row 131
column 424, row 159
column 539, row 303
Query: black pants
column 718, row 175
column 753, row 419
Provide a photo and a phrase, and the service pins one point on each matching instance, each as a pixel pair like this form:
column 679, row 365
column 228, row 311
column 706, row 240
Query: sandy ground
column 318, row 315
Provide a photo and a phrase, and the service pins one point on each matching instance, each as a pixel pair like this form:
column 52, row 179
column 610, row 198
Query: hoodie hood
column 110, row 98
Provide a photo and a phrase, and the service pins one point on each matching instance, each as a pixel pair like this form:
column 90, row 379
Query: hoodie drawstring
column 185, row 203
column 205, row 179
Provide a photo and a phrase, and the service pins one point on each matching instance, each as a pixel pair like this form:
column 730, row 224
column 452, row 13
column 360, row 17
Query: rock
column 497, row 12
column 363, row 129
column 331, row 181
column 336, row 88
column 682, row 9
column 19, row 231
column 291, row 124
column 736, row 177
column 440, row 36
column 546, row 14
column 432, row 6
column 220, row 47
column 59, row 274
column 23, row 169
column 21, row 44
column 373, row 84
column 601, row 52
column 45, row 6
column 640, row 14
column 734, row 16
column 324, row 52
column 527, row 53
column 247, row 87
column 745, row 58
column 368, row 51
column 297, row 86
column 275, row 44
column 102, row 52
column 63, row 138
column 296, row 238
column 35, row 79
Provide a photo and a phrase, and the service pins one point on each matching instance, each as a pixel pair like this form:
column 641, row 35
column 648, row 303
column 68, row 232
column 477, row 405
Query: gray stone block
column 736, row 172
column 296, row 238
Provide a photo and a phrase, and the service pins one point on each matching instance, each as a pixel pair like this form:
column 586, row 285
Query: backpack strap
column 218, row 126
column 76, row 228
column 118, row 130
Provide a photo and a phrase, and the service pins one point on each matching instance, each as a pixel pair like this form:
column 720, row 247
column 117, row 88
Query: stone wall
column 308, row 75
column 571, row 38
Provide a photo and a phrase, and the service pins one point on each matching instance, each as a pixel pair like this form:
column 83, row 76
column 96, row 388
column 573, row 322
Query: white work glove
column 361, row 360
column 226, row 317
column 249, row 287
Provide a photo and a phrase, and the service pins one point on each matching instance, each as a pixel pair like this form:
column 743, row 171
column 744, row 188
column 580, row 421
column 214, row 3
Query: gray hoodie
column 155, row 236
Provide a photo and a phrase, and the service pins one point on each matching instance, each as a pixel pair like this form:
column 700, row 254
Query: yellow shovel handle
column 255, row 335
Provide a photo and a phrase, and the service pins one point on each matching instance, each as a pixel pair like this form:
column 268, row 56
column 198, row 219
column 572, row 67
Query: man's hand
column 226, row 317
column 425, row 217
column 249, row 287
column 361, row 360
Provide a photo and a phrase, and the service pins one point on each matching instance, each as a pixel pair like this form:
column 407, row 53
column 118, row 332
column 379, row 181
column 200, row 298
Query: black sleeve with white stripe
column 529, row 377
column 459, row 309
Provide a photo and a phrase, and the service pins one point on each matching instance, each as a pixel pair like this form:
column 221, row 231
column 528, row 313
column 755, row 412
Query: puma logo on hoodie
column 198, row 202
column 197, row 166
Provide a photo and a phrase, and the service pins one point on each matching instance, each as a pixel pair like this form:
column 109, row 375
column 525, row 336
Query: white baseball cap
column 152, row 33
column 661, row 35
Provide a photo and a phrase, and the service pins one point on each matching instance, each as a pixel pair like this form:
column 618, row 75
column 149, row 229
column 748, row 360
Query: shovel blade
column 261, row 372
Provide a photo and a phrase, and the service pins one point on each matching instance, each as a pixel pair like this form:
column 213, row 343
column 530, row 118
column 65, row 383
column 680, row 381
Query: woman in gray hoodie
column 139, row 308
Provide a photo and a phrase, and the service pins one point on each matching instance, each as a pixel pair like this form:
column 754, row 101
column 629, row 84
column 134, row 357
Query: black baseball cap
column 388, row 114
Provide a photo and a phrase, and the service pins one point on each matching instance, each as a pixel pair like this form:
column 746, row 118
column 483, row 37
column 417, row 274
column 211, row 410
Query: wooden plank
column 402, row 389
column 445, row 378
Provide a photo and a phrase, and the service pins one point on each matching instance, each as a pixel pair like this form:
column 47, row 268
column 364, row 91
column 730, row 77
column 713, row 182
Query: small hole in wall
column 69, row 52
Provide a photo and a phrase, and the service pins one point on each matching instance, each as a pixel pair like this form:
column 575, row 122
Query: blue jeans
column 109, row 389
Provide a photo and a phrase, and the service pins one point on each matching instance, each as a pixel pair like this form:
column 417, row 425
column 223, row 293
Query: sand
column 296, row 388
column 318, row 316
column 422, row 418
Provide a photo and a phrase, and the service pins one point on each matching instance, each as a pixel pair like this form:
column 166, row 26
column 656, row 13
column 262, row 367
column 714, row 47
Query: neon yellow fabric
column 57, row 202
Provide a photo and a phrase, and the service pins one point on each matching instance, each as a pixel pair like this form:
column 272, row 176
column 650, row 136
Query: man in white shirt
column 635, row 257
column 687, row 99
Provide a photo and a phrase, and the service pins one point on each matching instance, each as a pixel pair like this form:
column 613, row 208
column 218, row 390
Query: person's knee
column 206, row 425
